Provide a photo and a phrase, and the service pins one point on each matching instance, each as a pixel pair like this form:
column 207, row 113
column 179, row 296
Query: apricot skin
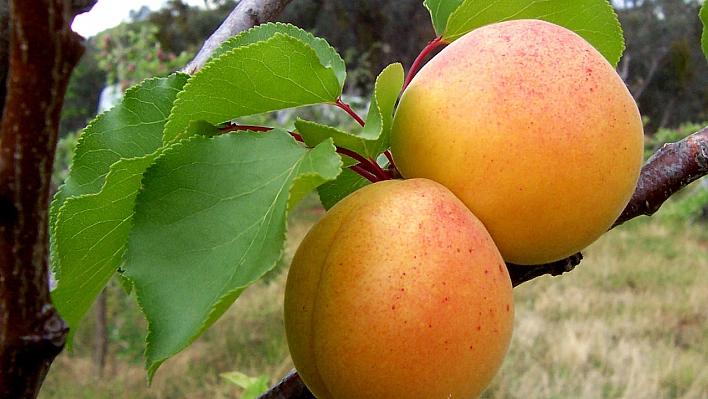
column 532, row 129
column 398, row 292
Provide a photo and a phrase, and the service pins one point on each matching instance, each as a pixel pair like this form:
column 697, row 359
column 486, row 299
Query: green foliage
column 209, row 222
column 327, row 55
column 89, row 220
column 252, row 386
column 703, row 14
column 130, row 53
column 281, row 72
column 594, row 20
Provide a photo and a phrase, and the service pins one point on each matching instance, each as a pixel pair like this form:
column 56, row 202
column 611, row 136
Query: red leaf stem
column 341, row 104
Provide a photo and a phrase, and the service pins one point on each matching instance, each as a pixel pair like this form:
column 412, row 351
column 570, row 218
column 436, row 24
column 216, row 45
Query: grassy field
column 630, row 322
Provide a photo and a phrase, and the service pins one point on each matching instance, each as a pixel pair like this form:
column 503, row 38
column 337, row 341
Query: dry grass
column 630, row 322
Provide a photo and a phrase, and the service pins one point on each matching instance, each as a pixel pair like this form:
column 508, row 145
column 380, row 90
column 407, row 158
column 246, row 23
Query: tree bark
column 42, row 54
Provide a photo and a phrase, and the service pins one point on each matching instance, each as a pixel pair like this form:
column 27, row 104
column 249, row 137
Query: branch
column 670, row 169
column 290, row 387
column 247, row 14
column 42, row 53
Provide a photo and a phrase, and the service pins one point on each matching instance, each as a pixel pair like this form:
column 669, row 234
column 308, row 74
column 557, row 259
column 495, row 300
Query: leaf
column 346, row 183
column 281, row 72
column 373, row 139
column 90, row 238
column 209, row 222
column 314, row 133
column 92, row 232
column 131, row 129
column 90, row 220
column 252, row 386
column 704, row 36
column 594, row 20
column 440, row 11
column 327, row 54
column 378, row 123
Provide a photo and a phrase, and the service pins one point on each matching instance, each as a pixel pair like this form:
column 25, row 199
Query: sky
column 109, row 13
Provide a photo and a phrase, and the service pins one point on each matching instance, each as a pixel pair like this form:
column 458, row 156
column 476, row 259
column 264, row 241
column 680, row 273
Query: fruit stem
column 367, row 164
column 391, row 164
column 432, row 45
column 364, row 173
column 341, row 104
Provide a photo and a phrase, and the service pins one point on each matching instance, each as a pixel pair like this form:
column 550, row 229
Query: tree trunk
column 42, row 53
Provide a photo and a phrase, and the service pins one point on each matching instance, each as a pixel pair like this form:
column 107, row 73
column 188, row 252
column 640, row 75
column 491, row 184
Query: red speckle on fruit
column 393, row 307
column 479, row 328
column 501, row 269
column 430, row 326
column 486, row 271
column 507, row 307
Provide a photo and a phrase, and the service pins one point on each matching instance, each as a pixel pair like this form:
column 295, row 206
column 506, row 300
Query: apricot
column 532, row 128
column 398, row 292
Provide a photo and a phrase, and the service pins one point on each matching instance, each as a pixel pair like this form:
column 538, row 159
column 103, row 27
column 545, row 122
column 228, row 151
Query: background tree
column 663, row 64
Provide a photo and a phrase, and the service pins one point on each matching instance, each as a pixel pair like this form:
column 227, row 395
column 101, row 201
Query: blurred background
column 630, row 322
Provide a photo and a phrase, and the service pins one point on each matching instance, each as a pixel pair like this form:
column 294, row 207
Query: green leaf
column 90, row 238
column 252, row 386
column 440, row 11
column 704, row 36
column 378, row 123
column 373, row 139
column 90, row 220
column 346, row 183
column 594, row 20
column 314, row 133
column 209, row 222
column 131, row 129
column 327, row 54
column 281, row 72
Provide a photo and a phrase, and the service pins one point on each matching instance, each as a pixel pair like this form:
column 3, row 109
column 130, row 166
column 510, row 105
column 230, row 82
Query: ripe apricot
column 532, row 128
column 398, row 292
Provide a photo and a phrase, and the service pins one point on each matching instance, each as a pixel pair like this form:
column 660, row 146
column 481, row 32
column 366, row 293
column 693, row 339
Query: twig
column 247, row 14
column 670, row 169
column 290, row 387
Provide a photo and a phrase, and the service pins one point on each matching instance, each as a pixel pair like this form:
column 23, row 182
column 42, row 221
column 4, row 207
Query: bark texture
column 42, row 54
